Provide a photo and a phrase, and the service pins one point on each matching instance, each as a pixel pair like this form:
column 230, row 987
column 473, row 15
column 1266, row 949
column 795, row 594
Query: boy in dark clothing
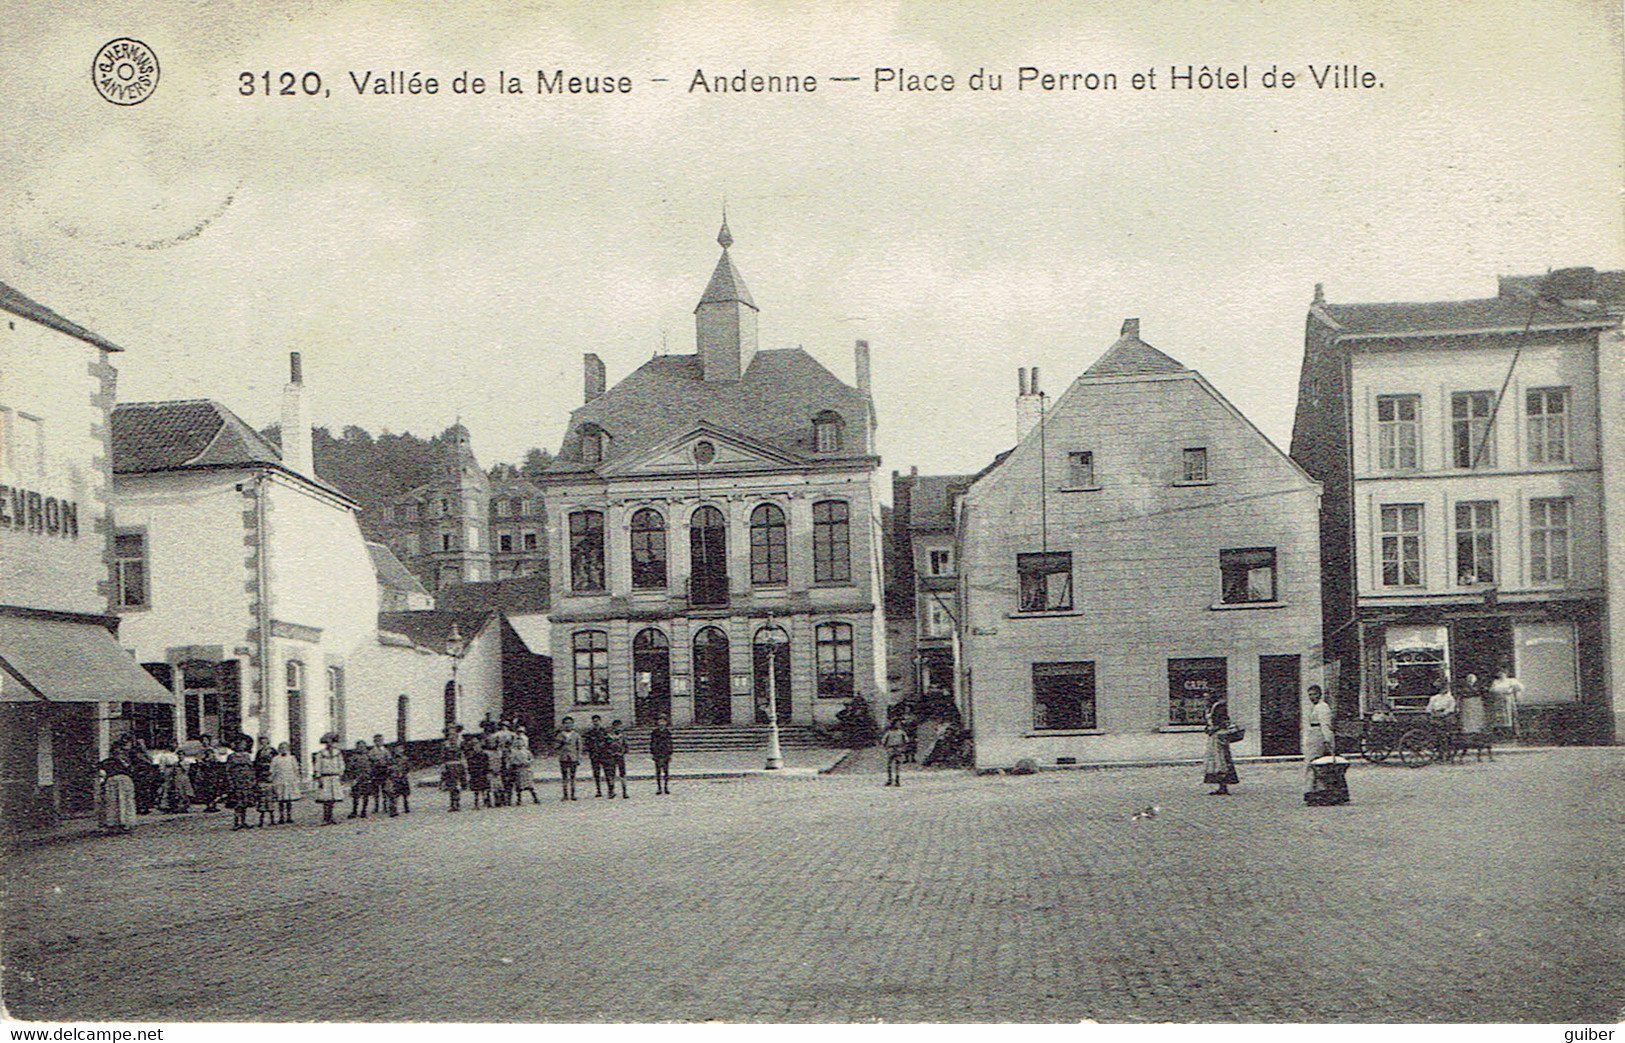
column 615, row 759
column 479, row 772
column 595, row 740
column 660, row 750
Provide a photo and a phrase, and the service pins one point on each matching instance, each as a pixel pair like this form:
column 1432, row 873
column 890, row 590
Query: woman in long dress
column 116, row 807
column 328, row 769
column 1218, row 767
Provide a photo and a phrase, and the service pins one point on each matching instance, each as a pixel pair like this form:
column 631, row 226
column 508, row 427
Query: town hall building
column 715, row 533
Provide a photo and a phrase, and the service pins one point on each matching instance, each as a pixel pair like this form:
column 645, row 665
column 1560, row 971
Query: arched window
column 587, row 551
column 708, row 557
column 827, row 432
column 648, row 550
column 834, row 660
column 591, row 651
column 769, row 559
column 832, row 541
column 592, row 445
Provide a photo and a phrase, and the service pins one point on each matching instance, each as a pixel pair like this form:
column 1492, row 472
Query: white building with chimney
column 244, row 582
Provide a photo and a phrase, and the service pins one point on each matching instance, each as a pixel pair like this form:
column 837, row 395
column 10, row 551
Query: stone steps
column 704, row 738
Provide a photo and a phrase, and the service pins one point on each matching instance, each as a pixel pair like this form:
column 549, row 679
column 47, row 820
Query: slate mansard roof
column 774, row 402
column 33, row 311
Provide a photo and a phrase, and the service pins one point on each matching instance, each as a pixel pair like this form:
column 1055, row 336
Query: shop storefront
column 66, row 687
column 1554, row 651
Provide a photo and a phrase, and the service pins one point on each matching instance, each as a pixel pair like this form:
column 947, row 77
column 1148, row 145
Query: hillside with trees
column 373, row 471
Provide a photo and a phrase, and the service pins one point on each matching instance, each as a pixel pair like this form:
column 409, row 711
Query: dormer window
column 592, row 445
column 827, row 427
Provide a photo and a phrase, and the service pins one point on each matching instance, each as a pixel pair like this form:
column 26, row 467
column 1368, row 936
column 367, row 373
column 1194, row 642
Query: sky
column 453, row 256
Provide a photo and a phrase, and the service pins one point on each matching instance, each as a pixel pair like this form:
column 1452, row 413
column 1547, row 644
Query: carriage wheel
column 1374, row 750
column 1416, row 748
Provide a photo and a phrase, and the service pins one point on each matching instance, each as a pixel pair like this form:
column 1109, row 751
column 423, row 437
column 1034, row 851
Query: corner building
column 1472, row 457
column 715, row 533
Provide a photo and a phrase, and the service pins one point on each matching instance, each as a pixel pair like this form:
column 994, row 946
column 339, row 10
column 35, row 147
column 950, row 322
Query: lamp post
column 456, row 647
column 775, row 755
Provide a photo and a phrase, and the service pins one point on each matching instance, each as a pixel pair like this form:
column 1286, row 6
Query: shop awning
column 70, row 662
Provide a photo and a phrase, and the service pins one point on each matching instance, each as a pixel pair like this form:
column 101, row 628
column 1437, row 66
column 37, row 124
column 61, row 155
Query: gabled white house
column 1142, row 550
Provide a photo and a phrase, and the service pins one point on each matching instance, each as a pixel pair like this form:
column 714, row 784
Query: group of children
column 495, row 766
column 375, row 777
column 266, row 781
column 605, row 751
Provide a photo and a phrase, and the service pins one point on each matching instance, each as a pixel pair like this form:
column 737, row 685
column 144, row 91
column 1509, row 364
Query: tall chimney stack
column 1029, row 403
column 297, row 454
column 861, row 355
column 594, row 379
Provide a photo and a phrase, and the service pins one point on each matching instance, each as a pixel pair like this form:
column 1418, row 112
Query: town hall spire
column 725, row 319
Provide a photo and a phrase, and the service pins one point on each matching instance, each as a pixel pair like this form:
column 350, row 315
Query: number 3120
column 249, row 84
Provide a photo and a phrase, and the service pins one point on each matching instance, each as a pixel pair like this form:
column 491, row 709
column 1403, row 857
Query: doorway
column 771, row 650
column 651, row 676
column 1280, row 705
column 713, row 702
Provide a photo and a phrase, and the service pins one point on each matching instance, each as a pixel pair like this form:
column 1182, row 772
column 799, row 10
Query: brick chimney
column 594, row 378
column 861, row 356
column 297, row 454
column 1029, row 402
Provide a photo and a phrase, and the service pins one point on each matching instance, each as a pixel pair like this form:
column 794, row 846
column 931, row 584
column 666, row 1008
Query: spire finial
column 725, row 237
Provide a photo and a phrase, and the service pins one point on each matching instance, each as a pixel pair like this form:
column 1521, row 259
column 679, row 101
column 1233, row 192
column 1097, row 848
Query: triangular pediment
column 704, row 448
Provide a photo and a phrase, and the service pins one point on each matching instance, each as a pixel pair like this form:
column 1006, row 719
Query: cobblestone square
column 1484, row 892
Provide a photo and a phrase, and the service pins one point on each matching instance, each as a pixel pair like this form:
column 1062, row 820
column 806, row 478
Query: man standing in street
column 596, row 741
column 894, row 740
column 570, row 748
column 660, row 751
column 615, row 751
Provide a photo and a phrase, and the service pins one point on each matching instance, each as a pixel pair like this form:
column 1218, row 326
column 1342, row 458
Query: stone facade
column 714, row 530
column 1143, row 548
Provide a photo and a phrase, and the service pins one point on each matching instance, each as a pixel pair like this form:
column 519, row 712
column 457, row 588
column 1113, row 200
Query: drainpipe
column 262, row 599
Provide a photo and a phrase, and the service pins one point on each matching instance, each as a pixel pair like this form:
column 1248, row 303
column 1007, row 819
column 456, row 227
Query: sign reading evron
column 125, row 71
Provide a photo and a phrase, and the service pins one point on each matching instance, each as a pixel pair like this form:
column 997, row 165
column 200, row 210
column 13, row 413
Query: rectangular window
column 1475, row 543
column 590, row 649
column 1397, row 432
column 939, row 622
column 1195, row 465
column 1063, row 696
column 1548, row 410
column 1402, row 545
column 1470, row 428
column 1192, row 685
column 130, row 569
column 587, row 551
column 1549, row 541
column 1248, row 575
column 1080, row 470
column 832, row 542
column 834, row 650
column 525, row 507
column 500, row 508
column 1046, row 581
column 530, row 541
column 335, row 699
column 942, row 563
column 505, row 541
column 445, row 541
